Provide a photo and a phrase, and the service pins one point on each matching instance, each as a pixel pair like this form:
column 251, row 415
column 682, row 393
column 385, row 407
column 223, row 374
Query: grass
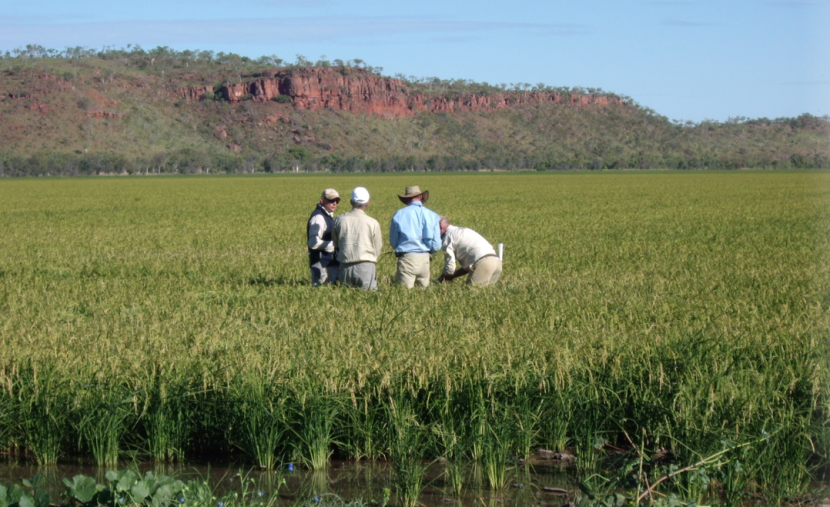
column 684, row 309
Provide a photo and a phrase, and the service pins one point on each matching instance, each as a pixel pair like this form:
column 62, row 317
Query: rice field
column 645, row 322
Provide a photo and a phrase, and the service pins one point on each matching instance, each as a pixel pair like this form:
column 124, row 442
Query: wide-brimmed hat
column 330, row 194
column 411, row 192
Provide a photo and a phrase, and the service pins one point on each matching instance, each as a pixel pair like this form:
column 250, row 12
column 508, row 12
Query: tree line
column 202, row 162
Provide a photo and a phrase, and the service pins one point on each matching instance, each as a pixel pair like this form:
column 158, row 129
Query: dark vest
column 314, row 256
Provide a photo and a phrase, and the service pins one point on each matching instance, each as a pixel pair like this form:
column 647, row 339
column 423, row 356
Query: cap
column 330, row 194
column 360, row 195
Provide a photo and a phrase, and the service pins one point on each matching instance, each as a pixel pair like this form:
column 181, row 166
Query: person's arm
column 393, row 234
column 432, row 236
column 448, row 278
column 335, row 239
column 316, row 229
column 377, row 239
column 449, row 258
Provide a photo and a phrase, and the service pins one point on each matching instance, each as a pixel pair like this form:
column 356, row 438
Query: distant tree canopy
column 136, row 55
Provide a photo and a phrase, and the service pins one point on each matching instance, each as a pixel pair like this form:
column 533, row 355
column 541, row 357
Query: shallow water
column 541, row 483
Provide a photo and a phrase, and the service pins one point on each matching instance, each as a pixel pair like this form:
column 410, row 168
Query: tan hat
column 330, row 194
column 411, row 192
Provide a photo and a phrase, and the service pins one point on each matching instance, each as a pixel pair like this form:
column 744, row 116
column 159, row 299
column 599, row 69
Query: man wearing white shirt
column 469, row 249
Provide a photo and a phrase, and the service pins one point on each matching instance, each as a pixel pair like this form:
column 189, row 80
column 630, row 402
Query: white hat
column 360, row 195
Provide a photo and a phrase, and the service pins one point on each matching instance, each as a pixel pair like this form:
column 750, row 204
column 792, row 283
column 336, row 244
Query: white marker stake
column 501, row 251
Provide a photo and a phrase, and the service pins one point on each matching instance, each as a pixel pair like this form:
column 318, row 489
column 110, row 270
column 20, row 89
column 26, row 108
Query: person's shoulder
column 400, row 212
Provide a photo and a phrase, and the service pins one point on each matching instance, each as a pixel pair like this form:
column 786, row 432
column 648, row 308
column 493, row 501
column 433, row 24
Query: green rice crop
column 174, row 316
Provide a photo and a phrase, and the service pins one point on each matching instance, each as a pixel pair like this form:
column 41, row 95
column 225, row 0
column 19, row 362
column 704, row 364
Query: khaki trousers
column 485, row 272
column 413, row 268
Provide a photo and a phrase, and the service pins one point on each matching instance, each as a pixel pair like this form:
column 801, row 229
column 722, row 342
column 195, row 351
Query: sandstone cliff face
column 361, row 92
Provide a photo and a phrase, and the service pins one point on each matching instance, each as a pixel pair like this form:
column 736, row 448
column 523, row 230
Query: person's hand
column 330, row 247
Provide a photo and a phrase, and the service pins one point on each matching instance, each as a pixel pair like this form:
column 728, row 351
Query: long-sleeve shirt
column 317, row 228
column 357, row 237
column 415, row 229
column 465, row 245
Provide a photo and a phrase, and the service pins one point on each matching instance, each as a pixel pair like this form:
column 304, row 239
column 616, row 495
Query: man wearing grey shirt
column 472, row 251
column 358, row 242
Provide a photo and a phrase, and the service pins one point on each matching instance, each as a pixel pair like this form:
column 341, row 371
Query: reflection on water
column 541, row 484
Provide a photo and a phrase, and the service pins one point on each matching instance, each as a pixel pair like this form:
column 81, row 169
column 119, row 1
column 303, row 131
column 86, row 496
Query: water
column 544, row 482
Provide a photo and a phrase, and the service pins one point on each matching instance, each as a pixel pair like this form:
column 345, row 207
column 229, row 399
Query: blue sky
column 687, row 60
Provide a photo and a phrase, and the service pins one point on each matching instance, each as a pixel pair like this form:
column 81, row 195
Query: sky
column 686, row 60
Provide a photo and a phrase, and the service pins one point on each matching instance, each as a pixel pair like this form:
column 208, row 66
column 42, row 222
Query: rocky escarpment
column 361, row 92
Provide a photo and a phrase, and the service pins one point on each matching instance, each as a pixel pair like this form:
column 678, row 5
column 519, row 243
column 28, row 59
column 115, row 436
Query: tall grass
column 678, row 311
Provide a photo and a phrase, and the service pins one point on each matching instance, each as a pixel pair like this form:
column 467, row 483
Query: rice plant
column 315, row 415
column 101, row 420
column 408, row 442
column 263, row 409
column 498, row 442
column 688, row 307
column 452, row 438
column 42, row 397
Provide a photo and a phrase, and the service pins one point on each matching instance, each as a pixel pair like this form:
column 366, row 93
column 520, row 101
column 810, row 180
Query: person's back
column 358, row 240
column 414, row 234
column 474, row 253
column 358, row 237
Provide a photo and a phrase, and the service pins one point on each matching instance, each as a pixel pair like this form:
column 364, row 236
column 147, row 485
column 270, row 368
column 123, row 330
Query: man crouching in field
column 472, row 251
column 358, row 242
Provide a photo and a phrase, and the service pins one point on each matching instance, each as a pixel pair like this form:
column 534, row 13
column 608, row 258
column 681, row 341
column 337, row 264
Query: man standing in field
column 472, row 251
column 321, row 251
column 358, row 242
column 414, row 235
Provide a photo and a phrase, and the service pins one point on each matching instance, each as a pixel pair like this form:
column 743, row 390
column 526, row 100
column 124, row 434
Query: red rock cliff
column 361, row 92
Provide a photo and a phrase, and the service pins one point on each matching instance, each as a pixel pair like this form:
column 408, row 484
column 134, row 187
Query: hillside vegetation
column 161, row 111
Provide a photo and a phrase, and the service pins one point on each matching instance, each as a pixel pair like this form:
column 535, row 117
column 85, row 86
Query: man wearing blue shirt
column 415, row 233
